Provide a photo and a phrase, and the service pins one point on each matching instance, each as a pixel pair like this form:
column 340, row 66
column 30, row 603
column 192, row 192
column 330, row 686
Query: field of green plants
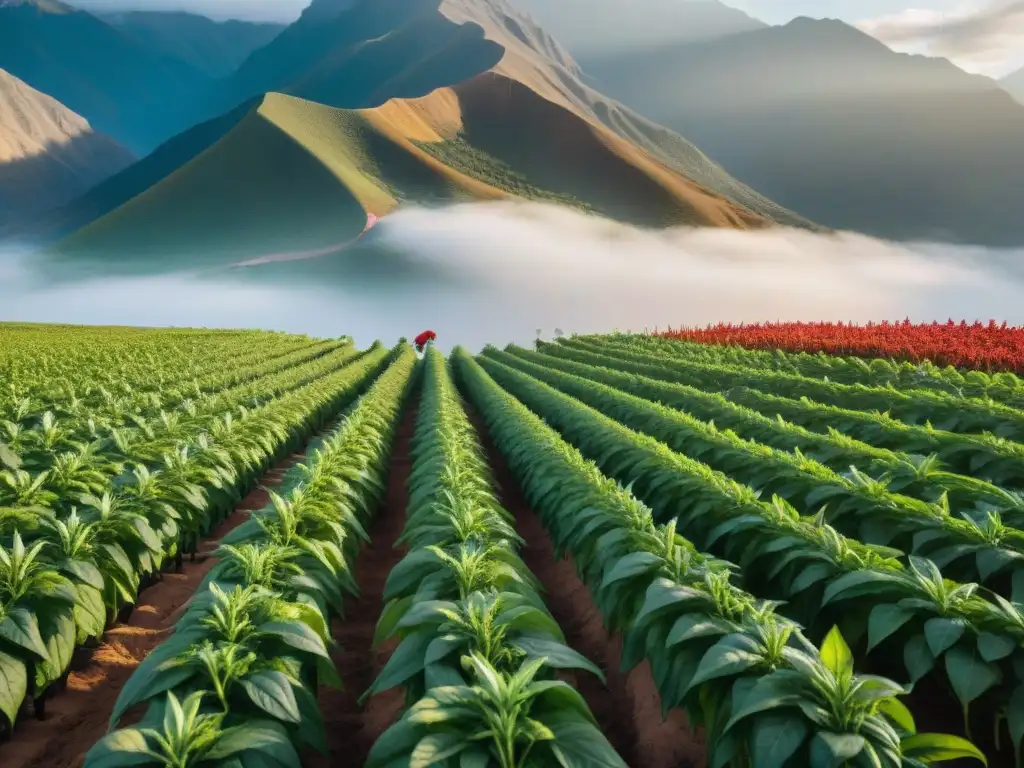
column 260, row 550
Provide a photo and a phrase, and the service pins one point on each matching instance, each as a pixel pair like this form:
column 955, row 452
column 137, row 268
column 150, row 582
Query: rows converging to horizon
column 249, row 548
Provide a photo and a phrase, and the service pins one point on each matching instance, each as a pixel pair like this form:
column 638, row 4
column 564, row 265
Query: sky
column 982, row 36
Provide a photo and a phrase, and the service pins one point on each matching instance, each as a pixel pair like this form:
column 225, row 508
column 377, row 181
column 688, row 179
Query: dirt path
column 351, row 729
column 628, row 708
column 76, row 718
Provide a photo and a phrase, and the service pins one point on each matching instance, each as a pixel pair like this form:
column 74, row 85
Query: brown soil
column 76, row 718
column 628, row 707
column 352, row 729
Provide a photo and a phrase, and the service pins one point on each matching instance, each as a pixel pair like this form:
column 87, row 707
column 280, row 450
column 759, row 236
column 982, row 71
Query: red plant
column 983, row 346
column 422, row 340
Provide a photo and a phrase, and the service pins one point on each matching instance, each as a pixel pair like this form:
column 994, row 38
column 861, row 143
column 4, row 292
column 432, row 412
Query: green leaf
column 264, row 736
column 994, row 647
column 831, row 750
column 942, row 633
column 389, row 618
column 436, row 748
column 21, row 628
column 775, row 738
column 835, row 654
column 633, row 564
column 897, row 711
column 271, row 691
column 124, row 747
column 298, row 635
column 13, row 685
column 726, row 657
column 936, row 747
column 918, row 658
column 557, row 655
column 969, row 675
column 406, row 661
column 581, row 745
column 884, row 620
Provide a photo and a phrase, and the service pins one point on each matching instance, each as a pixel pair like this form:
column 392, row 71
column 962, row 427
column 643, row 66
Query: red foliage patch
column 983, row 346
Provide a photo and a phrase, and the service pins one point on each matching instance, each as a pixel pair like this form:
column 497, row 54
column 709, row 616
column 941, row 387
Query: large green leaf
column 969, row 674
column 435, row 748
column 775, row 738
column 581, row 745
column 942, row 633
column 120, row 748
column 937, row 747
column 298, row 635
column 13, row 685
column 272, row 692
column 556, row 654
column 732, row 655
column 831, row 750
column 21, row 628
column 260, row 736
column 835, row 654
column 884, row 620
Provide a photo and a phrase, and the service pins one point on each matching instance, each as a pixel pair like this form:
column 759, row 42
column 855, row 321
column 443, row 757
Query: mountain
column 120, row 86
column 361, row 106
column 323, row 170
column 357, row 54
column 48, row 154
column 613, row 27
column 1014, row 83
column 829, row 122
column 215, row 48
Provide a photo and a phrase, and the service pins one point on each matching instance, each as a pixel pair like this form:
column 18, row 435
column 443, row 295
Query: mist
column 483, row 273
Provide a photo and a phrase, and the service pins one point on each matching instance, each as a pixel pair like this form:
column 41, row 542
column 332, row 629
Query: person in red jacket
column 422, row 340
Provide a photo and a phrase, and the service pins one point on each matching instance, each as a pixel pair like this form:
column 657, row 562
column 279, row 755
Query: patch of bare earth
column 77, row 717
column 628, row 706
column 352, row 729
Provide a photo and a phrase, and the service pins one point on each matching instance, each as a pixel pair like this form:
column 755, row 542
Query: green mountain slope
column 48, row 154
column 359, row 54
column 292, row 176
column 215, row 48
column 829, row 122
column 122, row 88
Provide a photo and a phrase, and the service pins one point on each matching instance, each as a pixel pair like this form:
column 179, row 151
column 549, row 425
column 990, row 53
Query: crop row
column 995, row 459
column 1004, row 387
column 68, row 572
column 111, row 366
column 980, row 346
column 985, row 549
column 765, row 695
column 236, row 683
column 916, row 406
column 478, row 650
column 53, row 464
column 921, row 476
column 783, row 556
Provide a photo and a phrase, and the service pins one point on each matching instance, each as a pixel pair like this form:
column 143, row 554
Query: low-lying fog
column 522, row 267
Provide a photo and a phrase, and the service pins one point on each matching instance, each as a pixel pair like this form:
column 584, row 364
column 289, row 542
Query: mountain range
column 262, row 138
column 48, row 154
column 829, row 122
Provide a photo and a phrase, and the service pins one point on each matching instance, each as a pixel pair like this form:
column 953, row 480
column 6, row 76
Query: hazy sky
column 985, row 36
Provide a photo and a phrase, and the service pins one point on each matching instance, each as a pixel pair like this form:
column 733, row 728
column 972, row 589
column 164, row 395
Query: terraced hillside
column 244, row 548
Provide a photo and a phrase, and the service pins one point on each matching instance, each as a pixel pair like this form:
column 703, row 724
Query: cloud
column 987, row 39
column 521, row 267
